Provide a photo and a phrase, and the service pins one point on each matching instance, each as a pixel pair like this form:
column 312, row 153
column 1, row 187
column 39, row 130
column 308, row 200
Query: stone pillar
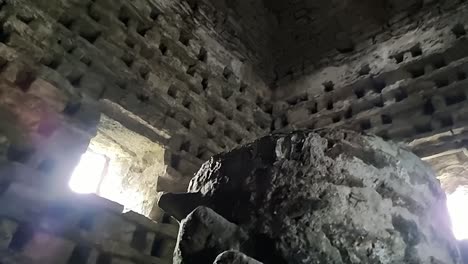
column 326, row 197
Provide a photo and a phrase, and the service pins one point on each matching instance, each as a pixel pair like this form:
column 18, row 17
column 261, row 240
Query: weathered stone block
column 54, row 97
column 93, row 201
column 21, row 110
column 87, row 116
column 172, row 181
column 111, row 226
column 92, row 85
column 150, row 237
column 166, row 250
column 203, row 235
column 234, row 257
column 161, row 229
column 305, row 197
column 19, row 73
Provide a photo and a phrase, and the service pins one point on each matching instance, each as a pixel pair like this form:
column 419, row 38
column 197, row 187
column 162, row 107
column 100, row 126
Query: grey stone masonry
column 410, row 88
column 151, row 59
column 40, row 227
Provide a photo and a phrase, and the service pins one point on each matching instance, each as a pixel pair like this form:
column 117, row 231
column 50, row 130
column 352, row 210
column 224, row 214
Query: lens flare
column 88, row 173
column 457, row 204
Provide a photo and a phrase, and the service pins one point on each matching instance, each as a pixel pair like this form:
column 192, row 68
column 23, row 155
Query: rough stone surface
column 331, row 197
column 234, row 257
column 203, row 234
column 134, row 165
column 178, row 206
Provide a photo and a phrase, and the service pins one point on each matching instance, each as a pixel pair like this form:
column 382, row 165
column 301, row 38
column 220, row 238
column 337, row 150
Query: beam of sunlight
column 457, row 206
column 88, row 173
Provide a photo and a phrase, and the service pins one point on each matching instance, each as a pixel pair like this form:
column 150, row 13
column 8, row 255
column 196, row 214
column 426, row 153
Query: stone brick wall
column 314, row 34
column 149, row 65
column 245, row 27
column 410, row 88
column 44, row 131
column 43, row 128
column 36, row 227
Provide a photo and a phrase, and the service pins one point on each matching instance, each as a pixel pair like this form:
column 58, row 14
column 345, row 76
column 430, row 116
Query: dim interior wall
column 317, row 34
column 409, row 88
column 135, row 163
column 407, row 40
column 245, row 28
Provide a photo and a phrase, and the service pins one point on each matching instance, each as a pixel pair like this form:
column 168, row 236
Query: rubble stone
column 234, row 257
column 330, row 196
column 203, row 234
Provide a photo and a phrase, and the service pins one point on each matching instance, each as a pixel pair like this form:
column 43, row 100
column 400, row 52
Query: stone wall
column 316, row 34
column 409, row 88
column 36, row 227
column 150, row 65
column 246, row 28
column 42, row 130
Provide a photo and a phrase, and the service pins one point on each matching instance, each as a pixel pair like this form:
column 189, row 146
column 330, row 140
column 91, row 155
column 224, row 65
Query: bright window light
column 457, row 205
column 88, row 173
